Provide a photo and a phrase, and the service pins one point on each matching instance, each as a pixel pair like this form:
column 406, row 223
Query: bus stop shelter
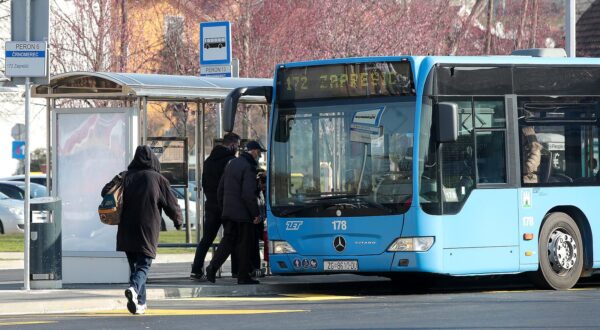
column 89, row 144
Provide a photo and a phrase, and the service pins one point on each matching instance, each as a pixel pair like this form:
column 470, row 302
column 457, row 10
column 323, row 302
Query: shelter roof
column 113, row 85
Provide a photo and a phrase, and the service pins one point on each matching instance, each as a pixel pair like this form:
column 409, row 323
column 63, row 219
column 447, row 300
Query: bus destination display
column 345, row 80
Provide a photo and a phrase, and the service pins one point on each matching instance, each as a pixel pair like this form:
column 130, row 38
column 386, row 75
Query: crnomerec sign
column 26, row 58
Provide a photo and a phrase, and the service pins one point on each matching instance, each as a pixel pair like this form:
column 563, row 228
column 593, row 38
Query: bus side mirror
column 232, row 99
column 446, row 121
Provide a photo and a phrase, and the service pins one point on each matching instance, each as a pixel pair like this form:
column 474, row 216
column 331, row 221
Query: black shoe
column 247, row 281
column 198, row 277
column 211, row 274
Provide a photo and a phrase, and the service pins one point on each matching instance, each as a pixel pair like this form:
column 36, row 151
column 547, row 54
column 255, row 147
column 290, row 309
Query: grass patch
column 175, row 236
column 175, row 250
column 12, row 243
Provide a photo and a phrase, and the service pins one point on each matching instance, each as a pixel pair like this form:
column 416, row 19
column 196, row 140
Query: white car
column 35, row 178
column 167, row 223
column 11, row 215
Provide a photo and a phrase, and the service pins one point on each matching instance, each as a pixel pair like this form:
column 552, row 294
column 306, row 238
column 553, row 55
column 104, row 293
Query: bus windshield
column 334, row 158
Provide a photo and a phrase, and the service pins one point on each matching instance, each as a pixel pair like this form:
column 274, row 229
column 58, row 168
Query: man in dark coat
column 213, row 169
column 238, row 194
column 145, row 193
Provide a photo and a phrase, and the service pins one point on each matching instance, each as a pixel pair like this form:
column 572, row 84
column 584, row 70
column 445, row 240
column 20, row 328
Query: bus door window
column 490, row 130
column 301, row 154
column 458, row 170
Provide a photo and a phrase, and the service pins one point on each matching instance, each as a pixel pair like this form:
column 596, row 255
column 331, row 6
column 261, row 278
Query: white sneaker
column 132, row 298
column 141, row 309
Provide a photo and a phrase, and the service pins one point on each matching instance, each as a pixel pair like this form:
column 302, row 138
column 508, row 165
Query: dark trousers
column 255, row 252
column 212, row 224
column 139, row 266
column 238, row 237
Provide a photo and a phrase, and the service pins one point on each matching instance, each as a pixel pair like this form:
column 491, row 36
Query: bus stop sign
column 215, row 43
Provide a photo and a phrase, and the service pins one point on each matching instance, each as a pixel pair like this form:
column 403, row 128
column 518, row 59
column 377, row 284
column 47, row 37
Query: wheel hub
column 562, row 251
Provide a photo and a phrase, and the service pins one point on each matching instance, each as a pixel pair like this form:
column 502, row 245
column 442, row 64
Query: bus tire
column 560, row 250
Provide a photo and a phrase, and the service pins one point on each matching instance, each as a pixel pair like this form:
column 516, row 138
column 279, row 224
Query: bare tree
column 534, row 24
column 488, row 34
column 81, row 37
column 521, row 31
column 466, row 26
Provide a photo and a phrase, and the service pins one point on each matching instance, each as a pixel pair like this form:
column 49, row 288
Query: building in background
column 588, row 28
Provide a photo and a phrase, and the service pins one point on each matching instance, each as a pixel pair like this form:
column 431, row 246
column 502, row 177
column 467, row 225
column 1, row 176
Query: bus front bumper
column 287, row 264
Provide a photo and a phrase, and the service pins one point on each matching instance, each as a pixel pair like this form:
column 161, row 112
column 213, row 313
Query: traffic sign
column 26, row 59
column 215, row 43
column 18, row 149
column 39, row 25
column 18, row 131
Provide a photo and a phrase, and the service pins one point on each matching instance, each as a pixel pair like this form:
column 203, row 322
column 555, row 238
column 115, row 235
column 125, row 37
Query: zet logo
column 293, row 225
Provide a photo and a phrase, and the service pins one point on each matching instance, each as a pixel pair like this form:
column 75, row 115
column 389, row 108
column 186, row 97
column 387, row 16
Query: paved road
column 382, row 305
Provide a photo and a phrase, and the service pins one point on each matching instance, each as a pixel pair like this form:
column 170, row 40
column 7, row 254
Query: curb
column 15, row 302
column 78, row 299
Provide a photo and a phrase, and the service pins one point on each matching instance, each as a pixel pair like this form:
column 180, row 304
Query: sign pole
column 26, row 220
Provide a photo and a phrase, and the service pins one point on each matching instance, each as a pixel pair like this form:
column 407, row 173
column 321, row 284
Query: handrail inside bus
column 232, row 99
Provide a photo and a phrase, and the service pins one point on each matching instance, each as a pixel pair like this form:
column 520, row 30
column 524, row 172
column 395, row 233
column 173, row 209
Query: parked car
column 16, row 189
column 192, row 193
column 167, row 224
column 36, row 178
column 11, row 215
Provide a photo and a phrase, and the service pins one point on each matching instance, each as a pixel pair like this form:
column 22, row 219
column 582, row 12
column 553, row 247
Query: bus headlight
column 412, row 244
column 280, row 247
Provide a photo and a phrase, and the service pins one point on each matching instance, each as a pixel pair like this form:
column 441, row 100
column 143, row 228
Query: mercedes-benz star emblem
column 339, row 243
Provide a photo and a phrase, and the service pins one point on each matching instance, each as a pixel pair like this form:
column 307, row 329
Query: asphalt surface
column 506, row 309
column 334, row 302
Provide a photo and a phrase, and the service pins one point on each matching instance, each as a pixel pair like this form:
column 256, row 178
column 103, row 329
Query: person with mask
column 213, row 169
column 145, row 193
column 237, row 193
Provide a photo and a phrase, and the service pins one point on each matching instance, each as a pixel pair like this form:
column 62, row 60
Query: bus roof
column 432, row 60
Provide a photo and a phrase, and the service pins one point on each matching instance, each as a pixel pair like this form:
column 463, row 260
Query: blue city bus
column 443, row 165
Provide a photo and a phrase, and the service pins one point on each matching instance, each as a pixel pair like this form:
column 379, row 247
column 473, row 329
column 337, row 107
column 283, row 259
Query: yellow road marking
column 2, row 324
column 286, row 297
column 170, row 312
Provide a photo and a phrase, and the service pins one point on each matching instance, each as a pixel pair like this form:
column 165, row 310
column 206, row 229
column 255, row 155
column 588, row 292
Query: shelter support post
column 188, row 225
column 144, row 116
column 50, row 104
column 200, row 109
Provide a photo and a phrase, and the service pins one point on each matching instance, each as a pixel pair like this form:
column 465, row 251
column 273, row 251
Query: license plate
column 340, row 265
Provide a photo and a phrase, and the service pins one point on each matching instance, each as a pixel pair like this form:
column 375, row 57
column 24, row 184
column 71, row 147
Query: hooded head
column 144, row 159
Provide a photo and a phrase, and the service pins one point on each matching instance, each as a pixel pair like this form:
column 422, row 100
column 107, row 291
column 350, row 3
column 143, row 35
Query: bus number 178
column 339, row 224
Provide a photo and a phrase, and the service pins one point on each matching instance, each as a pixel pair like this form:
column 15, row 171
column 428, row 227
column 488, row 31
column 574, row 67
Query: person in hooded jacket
column 145, row 192
column 237, row 193
column 213, row 169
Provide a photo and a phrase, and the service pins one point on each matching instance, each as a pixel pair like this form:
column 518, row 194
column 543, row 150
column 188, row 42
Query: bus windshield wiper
column 348, row 199
column 299, row 209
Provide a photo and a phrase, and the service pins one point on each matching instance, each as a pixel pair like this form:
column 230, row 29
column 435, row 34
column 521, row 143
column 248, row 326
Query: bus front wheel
column 560, row 250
